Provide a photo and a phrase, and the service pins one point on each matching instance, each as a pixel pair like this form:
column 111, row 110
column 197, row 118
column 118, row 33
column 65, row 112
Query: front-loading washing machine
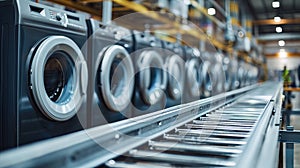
column 207, row 75
column 241, row 74
column 247, row 74
column 253, row 74
column 228, row 68
column 231, row 67
column 193, row 79
column 175, row 68
column 43, row 72
column 234, row 67
column 218, row 74
column 111, row 81
column 150, row 74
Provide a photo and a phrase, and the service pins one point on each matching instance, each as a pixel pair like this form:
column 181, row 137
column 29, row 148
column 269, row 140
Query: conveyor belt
column 205, row 141
column 214, row 132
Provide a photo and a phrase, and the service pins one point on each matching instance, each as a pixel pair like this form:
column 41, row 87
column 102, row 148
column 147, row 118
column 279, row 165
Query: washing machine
column 150, row 74
column 253, row 75
column 111, row 81
column 218, row 74
column 193, row 80
column 43, row 72
column 241, row 74
column 245, row 81
column 247, row 75
column 175, row 67
column 226, row 66
column 229, row 69
column 234, row 66
column 207, row 75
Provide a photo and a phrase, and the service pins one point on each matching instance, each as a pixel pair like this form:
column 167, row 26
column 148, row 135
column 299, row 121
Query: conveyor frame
column 81, row 149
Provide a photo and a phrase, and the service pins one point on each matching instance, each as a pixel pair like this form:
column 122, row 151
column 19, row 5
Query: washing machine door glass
column 247, row 77
column 254, row 75
column 194, row 78
column 152, row 76
column 218, row 78
column 227, row 68
column 115, row 77
column 234, row 74
column 58, row 77
column 207, row 79
column 240, row 76
column 176, row 74
column 228, row 78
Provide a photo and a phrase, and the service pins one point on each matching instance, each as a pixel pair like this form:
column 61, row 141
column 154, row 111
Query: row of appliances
column 61, row 73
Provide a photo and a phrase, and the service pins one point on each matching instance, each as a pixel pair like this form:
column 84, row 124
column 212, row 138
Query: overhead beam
column 271, row 22
column 284, row 12
column 288, row 43
column 281, row 36
column 276, row 55
column 90, row 1
column 120, row 9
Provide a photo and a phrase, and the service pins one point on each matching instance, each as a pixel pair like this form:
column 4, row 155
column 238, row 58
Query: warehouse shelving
column 170, row 24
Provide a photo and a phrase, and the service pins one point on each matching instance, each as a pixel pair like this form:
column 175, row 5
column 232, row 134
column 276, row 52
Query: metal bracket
column 289, row 136
column 286, row 116
column 293, row 112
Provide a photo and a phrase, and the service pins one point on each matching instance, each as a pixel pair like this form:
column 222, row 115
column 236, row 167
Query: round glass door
column 152, row 77
column 175, row 69
column 58, row 77
column 115, row 77
column 227, row 68
column 207, row 80
column 218, row 78
column 241, row 73
column 234, row 71
column 194, row 78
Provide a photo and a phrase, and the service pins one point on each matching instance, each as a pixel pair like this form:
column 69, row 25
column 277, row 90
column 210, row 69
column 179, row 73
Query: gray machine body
column 150, row 74
column 110, row 88
column 27, row 112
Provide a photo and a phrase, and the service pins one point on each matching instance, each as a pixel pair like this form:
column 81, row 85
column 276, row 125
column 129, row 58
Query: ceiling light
column 276, row 4
column 282, row 53
column 278, row 29
column 281, row 43
column 211, row 11
column 187, row 2
column 277, row 19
